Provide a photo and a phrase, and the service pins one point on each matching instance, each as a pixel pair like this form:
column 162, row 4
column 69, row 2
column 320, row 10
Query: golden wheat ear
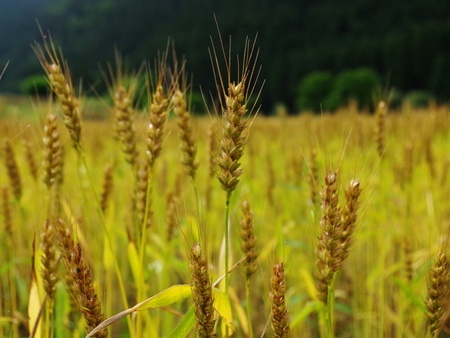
column 12, row 168
column 58, row 75
column 188, row 143
column 438, row 292
column 123, row 88
column 158, row 111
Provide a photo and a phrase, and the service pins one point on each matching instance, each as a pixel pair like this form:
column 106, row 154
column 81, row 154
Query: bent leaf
column 169, row 296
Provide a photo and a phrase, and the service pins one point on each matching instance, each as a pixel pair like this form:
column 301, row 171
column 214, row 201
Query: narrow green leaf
column 309, row 308
column 410, row 294
column 185, row 325
column 133, row 258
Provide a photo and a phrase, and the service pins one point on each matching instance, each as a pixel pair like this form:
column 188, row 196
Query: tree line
column 404, row 42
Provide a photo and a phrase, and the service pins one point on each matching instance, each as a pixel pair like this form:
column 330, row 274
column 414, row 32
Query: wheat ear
column 188, row 144
column 328, row 243
column 279, row 315
column 80, row 272
column 438, row 291
column 52, row 153
column 202, row 293
column 60, row 81
column 13, row 171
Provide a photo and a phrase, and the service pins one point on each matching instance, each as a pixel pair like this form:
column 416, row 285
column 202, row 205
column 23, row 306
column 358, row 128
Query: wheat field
column 154, row 222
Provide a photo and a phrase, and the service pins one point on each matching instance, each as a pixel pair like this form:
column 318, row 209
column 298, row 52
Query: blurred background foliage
column 332, row 51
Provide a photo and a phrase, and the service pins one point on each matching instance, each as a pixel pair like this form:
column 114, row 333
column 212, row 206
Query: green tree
column 314, row 90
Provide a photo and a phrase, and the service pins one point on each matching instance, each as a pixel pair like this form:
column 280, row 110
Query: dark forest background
column 407, row 43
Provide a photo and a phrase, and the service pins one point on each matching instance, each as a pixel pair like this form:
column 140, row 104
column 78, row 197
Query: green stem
column 108, row 237
column 330, row 306
column 140, row 282
column 247, row 300
column 200, row 227
column 322, row 321
column 227, row 244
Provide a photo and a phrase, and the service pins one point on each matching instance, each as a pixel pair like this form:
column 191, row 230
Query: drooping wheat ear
column 31, row 160
column 328, row 248
column 80, row 272
column 123, row 97
column 313, row 175
column 60, row 82
column 348, row 222
column 280, row 315
column 13, row 171
column 202, row 293
column 108, row 185
column 188, row 144
column 248, row 244
column 7, row 213
column 49, row 260
column 380, row 130
column 52, row 153
column 141, row 193
column 158, row 111
column 438, row 292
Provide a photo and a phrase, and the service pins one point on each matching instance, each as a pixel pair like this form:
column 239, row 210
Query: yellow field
column 402, row 224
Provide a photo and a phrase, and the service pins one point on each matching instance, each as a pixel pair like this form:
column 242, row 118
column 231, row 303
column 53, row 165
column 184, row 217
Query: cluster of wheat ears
column 164, row 257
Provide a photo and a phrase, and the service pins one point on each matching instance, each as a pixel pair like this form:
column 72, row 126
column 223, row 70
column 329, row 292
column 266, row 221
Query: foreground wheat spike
column 380, row 130
column 31, row 160
column 328, row 250
column 348, row 221
column 234, row 139
column 61, row 84
column 13, row 171
column 280, row 315
column 202, row 293
column 188, row 143
column 49, row 260
column 438, row 292
column 248, row 244
column 52, row 153
column 80, row 272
